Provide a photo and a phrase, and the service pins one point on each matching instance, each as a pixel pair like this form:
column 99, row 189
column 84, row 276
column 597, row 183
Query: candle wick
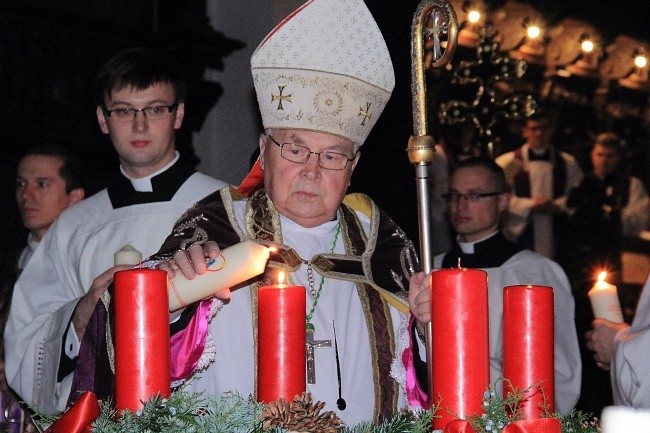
column 459, row 263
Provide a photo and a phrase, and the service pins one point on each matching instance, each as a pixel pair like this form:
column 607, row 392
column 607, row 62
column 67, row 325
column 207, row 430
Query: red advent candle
column 528, row 347
column 460, row 368
column 141, row 337
column 281, row 342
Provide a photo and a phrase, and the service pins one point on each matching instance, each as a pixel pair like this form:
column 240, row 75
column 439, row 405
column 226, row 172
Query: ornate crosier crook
column 432, row 20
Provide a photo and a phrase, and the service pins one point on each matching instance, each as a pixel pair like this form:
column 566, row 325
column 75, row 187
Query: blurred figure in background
column 608, row 205
column 49, row 179
column 540, row 177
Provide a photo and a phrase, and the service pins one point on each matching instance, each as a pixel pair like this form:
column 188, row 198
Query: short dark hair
column 71, row 170
column 610, row 140
column 488, row 163
column 139, row 68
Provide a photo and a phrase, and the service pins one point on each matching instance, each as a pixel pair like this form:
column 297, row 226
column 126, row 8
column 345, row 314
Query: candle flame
column 459, row 265
column 272, row 249
column 281, row 277
column 602, row 276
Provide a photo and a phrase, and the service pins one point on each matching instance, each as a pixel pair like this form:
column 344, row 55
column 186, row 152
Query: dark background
column 50, row 51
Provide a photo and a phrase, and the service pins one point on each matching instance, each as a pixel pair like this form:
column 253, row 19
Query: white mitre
column 324, row 68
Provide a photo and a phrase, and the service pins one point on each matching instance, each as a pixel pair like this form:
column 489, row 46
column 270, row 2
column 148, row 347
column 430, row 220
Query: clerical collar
column 489, row 252
column 165, row 184
column 143, row 184
column 539, row 154
column 468, row 247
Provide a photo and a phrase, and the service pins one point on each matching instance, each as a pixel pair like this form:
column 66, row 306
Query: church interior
column 584, row 62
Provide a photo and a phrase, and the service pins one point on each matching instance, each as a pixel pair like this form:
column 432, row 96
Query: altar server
column 140, row 97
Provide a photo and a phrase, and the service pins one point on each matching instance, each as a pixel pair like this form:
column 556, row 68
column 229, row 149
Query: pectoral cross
column 311, row 345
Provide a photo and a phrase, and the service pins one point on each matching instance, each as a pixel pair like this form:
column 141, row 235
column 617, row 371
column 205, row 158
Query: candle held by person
column 234, row 265
column 460, row 370
column 142, row 354
column 528, row 313
column 281, row 341
column 127, row 255
column 604, row 300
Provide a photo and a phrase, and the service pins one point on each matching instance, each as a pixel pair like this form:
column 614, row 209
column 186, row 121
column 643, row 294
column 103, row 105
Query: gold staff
column 432, row 19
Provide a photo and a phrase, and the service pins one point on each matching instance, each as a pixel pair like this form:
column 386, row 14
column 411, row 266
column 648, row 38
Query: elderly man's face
column 307, row 194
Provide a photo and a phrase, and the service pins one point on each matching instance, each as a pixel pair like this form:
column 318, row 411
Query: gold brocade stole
column 263, row 224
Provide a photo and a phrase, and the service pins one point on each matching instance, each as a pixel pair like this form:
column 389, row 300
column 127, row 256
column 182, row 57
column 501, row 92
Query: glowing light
column 533, row 32
column 587, row 46
column 281, row 277
column 473, row 16
column 602, row 276
column 640, row 61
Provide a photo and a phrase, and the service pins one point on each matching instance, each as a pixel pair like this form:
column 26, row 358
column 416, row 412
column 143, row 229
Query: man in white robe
column 57, row 291
column 476, row 198
column 318, row 104
column 48, row 181
column 625, row 351
column 540, row 177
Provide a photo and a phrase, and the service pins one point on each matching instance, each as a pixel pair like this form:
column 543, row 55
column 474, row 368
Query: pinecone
column 300, row 415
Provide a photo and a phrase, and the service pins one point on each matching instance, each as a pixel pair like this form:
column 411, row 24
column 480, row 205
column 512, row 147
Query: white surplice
column 338, row 305
column 77, row 248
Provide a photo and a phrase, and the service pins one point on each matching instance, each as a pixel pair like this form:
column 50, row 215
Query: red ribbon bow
column 79, row 417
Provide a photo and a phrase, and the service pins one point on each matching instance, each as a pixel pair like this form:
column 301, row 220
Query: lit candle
column 127, row 255
column 528, row 347
column 234, row 265
column 141, row 337
column 460, row 369
column 604, row 300
column 281, row 342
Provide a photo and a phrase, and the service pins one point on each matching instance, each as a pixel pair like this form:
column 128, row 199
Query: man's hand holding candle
column 192, row 262
column 602, row 340
column 87, row 303
column 420, row 299
column 205, row 271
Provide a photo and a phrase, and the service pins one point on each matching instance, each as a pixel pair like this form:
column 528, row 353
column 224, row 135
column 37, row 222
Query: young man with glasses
column 477, row 197
column 140, row 97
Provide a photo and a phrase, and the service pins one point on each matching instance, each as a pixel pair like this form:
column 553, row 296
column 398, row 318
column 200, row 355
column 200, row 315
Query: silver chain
column 310, row 279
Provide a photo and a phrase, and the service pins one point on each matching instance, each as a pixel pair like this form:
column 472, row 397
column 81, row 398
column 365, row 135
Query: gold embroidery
column 322, row 263
column 365, row 113
column 281, row 98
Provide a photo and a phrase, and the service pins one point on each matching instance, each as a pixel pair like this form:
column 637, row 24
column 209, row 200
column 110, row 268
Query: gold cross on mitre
column 281, row 97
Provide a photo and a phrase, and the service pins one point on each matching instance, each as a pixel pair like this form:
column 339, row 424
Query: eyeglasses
column 473, row 196
column 153, row 112
column 327, row 159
